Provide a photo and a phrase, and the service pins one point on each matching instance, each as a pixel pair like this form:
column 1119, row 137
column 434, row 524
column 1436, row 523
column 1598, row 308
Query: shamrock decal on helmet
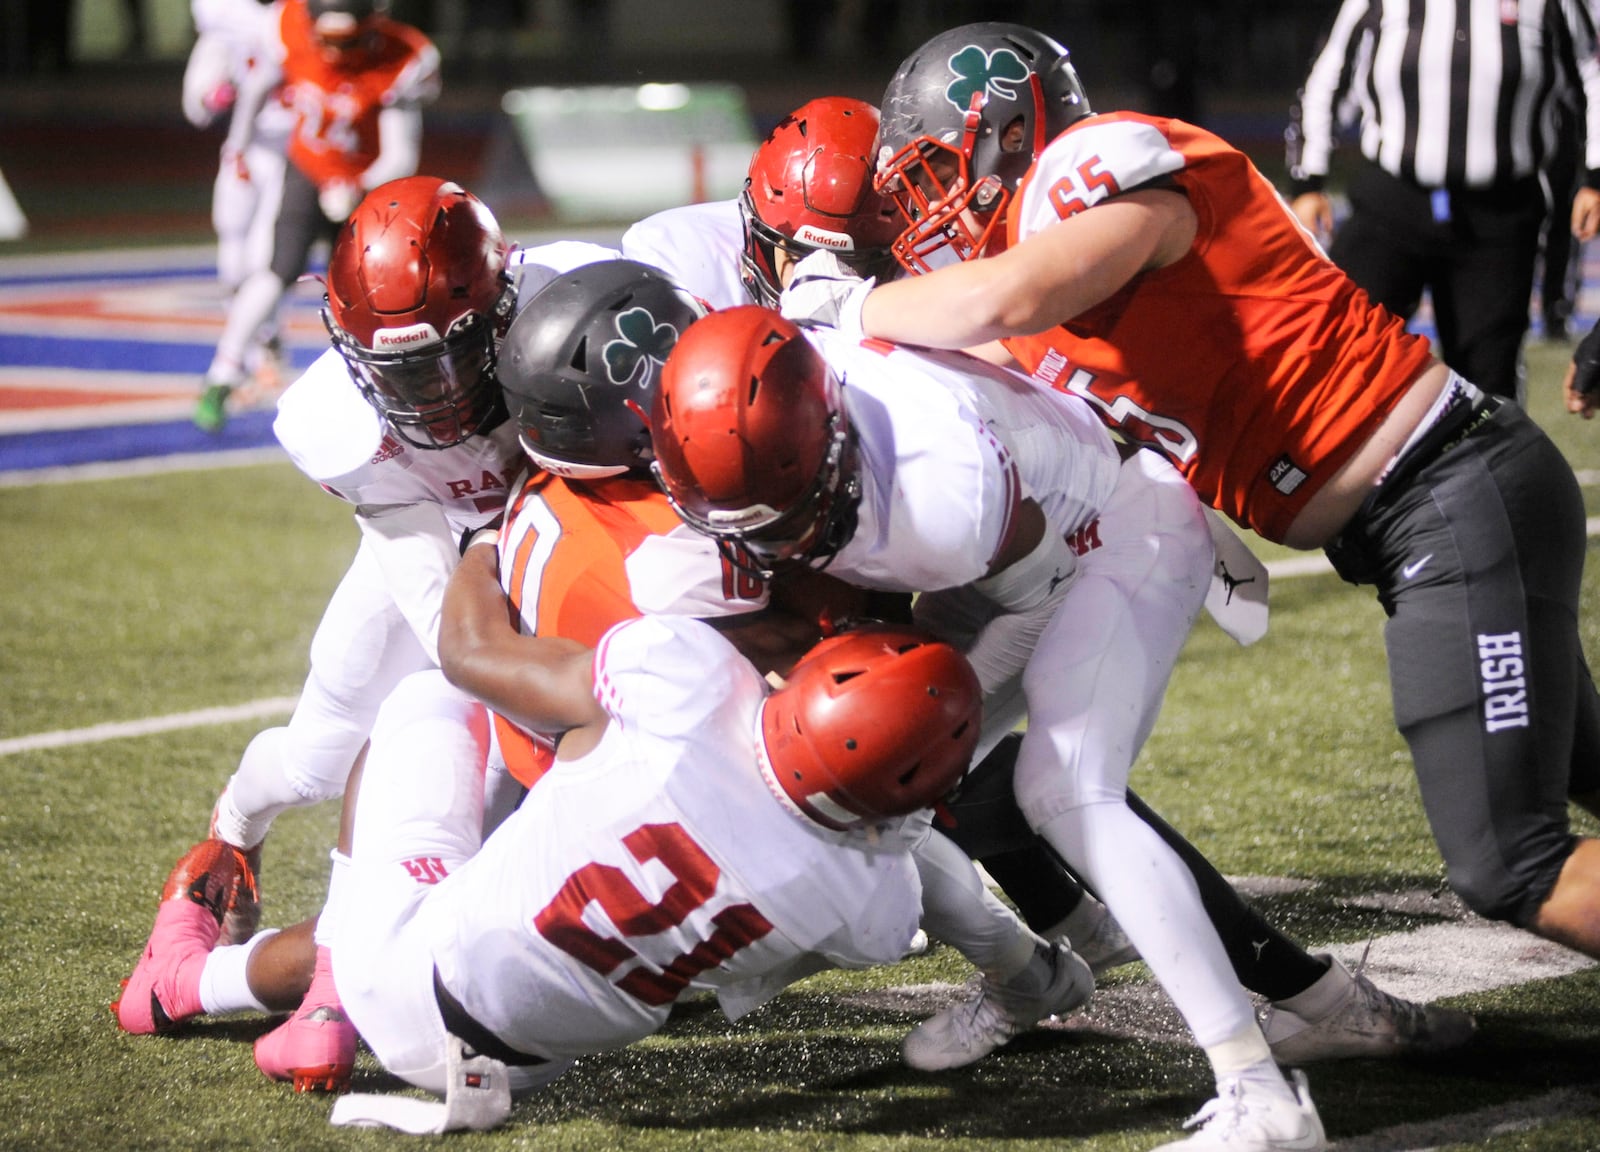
column 640, row 341
column 978, row 71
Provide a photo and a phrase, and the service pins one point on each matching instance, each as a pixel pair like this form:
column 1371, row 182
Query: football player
column 403, row 419
column 1069, row 568
column 356, row 82
column 1091, row 245
column 808, row 190
column 245, row 195
column 729, row 842
column 1145, row 265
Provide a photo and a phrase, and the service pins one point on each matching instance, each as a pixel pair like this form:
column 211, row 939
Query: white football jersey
column 947, row 444
column 698, row 245
column 337, row 439
column 657, row 863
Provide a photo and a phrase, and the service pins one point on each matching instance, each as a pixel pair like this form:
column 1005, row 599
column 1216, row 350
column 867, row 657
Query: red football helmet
column 809, row 187
column 753, row 446
column 418, row 298
column 874, row 723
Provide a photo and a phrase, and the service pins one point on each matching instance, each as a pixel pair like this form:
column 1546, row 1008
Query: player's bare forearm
column 542, row 683
column 1047, row 279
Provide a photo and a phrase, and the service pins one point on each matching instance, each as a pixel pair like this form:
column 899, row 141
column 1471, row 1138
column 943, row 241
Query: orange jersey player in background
column 343, row 64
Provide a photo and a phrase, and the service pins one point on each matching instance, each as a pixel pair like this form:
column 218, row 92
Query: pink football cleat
column 316, row 1047
column 164, row 989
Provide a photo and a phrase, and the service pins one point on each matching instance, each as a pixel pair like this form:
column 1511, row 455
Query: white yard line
column 1311, row 565
column 254, row 710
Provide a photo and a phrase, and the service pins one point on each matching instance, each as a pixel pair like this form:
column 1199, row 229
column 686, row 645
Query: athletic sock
column 224, row 981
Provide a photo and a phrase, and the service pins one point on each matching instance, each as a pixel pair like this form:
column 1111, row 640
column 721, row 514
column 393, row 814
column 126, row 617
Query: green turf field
column 138, row 597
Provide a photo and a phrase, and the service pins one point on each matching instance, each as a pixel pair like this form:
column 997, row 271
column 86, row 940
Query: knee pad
column 319, row 747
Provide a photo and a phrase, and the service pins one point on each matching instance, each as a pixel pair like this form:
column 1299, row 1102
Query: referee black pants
column 1476, row 262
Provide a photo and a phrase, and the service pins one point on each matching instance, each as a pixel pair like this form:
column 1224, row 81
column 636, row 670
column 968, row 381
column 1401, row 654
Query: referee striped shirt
column 1447, row 93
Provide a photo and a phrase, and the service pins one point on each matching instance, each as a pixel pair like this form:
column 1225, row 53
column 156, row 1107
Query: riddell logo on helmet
column 415, row 336
column 822, row 238
column 751, row 517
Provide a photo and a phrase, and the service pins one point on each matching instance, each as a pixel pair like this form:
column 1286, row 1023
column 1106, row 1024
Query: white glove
column 823, row 291
column 338, row 199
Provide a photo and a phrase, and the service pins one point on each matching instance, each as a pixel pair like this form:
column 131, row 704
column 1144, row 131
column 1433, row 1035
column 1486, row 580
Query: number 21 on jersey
column 687, row 902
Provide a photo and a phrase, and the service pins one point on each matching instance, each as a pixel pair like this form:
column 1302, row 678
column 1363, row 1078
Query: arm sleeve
column 1312, row 131
column 417, row 551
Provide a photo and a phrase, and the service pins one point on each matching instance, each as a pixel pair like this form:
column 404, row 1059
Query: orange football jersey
column 577, row 558
column 336, row 99
column 1253, row 363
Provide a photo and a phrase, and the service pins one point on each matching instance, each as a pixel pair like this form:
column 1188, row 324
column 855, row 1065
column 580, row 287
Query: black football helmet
column 580, row 365
column 962, row 120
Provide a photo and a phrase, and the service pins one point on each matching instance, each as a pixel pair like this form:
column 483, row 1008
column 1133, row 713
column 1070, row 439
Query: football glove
column 823, row 291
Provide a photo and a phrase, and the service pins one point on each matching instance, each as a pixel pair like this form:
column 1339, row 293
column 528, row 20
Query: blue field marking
column 62, row 447
column 96, row 349
column 103, row 355
column 106, row 274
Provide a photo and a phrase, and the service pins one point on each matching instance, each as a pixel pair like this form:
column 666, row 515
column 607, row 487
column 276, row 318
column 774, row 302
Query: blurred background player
column 356, row 82
column 230, row 35
column 1560, row 252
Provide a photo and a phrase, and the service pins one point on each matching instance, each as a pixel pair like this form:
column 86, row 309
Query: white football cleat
column 1055, row 981
column 1360, row 1019
column 1248, row 1116
column 1095, row 935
